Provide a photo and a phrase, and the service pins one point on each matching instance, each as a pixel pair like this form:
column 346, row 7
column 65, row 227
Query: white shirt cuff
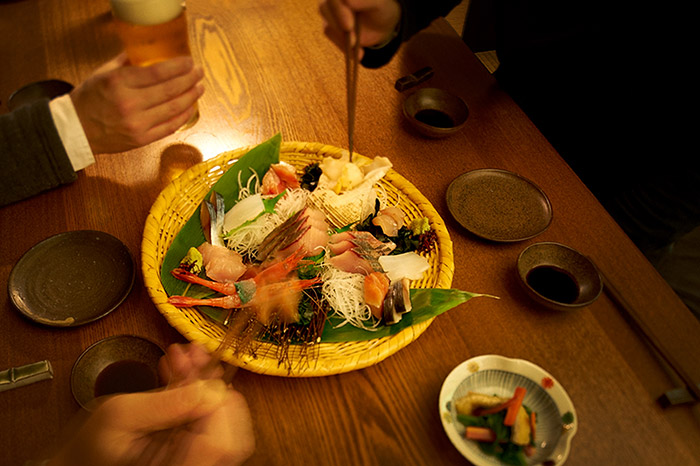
column 71, row 132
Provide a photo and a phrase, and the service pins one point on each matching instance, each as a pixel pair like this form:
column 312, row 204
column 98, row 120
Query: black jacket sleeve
column 32, row 156
column 416, row 15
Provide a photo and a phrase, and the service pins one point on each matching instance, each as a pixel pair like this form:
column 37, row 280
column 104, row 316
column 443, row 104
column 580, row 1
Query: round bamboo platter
column 178, row 201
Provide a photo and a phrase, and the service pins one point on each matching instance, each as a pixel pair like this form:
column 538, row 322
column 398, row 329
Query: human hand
column 197, row 422
column 378, row 20
column 183, row 364
column 122, row 107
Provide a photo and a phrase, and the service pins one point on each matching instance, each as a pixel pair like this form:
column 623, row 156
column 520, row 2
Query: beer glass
column 152, row 31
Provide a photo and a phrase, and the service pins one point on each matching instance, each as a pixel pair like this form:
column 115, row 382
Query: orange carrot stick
column 494, row 409
column 480, row 434
column 514, row 407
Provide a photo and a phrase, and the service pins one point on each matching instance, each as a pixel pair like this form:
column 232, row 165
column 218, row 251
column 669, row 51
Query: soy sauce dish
column 435, row 113
column 558, row 277
column 116, row 364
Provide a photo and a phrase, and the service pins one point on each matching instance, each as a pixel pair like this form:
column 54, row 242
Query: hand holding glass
column 152, row 31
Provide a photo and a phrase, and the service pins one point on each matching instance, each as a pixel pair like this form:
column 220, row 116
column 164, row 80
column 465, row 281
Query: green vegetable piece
column 567, row 417
column 192, row 261
column 513, row 454
column 419, row 226
column 246, row 290
column 473, row 421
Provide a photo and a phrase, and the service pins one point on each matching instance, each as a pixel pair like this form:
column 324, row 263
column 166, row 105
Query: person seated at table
column 213, row 421
column 118, row 108
column 575, row 70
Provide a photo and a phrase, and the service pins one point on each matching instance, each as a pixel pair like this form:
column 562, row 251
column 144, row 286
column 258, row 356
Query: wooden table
column 270, row 69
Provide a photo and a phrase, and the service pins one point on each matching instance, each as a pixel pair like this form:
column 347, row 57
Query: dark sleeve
column 660, row 209
column 416, row 15
column 32, row 156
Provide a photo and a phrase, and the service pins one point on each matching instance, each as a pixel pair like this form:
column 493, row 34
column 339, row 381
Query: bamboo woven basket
column 178, row 201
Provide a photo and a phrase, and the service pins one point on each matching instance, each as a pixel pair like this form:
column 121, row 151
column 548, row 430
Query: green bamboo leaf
column 258, row 161
column 427, row 303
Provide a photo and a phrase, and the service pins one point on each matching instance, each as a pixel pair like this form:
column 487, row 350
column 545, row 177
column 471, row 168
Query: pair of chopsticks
column 351, row 65
column 672, row 396
column 235, row 329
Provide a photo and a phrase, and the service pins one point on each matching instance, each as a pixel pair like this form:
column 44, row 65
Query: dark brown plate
column 140, row 354
column 72, row 278
column 33, row 92
column 499, row 205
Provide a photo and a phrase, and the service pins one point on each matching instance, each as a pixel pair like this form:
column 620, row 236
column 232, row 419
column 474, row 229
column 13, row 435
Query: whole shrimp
column 269, row 286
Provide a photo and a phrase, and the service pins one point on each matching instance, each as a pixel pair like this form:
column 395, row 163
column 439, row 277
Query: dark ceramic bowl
column 435, row 113
column 558, row 277
column 36, row 91
column 117, row 364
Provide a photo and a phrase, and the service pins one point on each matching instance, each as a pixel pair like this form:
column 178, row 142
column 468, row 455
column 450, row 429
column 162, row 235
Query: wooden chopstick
column 351, row 65
column 631, row 316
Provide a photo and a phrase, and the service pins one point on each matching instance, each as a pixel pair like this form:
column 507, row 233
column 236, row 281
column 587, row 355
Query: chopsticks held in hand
column 631, row 315
column 351, row 64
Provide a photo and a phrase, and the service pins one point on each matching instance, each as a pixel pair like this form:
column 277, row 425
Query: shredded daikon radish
column 292, row 202
column 247, row 190
column 345, row 294
column 246, row 238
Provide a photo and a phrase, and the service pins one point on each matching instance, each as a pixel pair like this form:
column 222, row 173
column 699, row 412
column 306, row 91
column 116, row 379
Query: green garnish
column 192, row 262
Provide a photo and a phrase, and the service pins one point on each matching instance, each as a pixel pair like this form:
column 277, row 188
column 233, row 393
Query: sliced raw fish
column 314, row 234
column 363, row 239
column 376, row 286
column 316, row 219
column 351, row 262
column 221, row 263
column 390, row 220
column 407, row 265
column 279, row 177
column 342, row 236
column 340, row 247
column 313, row 241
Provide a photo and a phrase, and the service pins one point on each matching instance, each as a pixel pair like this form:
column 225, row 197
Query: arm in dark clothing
column 32, row 156
column 416, row 15
column 658, row 211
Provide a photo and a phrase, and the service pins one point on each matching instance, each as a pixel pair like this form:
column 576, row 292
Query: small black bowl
column 558, row 277
column 116, row 364
column 36, row 91
column 435, row 113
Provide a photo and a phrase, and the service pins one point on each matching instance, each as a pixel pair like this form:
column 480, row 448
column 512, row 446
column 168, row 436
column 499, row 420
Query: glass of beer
column 152, row 31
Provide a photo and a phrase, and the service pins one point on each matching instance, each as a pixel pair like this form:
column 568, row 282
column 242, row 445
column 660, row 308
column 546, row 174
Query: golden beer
column 146, row 45
column 152, row 31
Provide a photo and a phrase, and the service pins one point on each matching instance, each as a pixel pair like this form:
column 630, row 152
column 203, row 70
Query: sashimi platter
column 323, row 265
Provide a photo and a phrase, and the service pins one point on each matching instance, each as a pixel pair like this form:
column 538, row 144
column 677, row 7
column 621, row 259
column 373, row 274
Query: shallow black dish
column 72, row 278
column 498, row 205
column 36, row 91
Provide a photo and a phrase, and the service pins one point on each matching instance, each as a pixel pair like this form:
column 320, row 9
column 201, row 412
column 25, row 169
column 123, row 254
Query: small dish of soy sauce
column 116, row 364
column 558, row 276
column 435, row 113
